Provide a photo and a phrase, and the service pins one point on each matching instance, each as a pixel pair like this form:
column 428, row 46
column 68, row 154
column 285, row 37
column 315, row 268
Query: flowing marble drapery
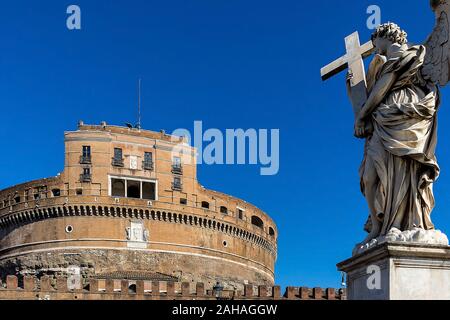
column 402, row 147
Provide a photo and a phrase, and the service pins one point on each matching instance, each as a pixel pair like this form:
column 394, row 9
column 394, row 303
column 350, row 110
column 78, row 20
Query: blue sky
column 231, row 64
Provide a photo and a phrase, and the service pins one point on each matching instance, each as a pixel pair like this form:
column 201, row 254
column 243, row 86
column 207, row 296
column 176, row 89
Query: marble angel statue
column 399, row 123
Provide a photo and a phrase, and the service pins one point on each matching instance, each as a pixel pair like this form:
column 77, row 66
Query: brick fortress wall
column 46, row 288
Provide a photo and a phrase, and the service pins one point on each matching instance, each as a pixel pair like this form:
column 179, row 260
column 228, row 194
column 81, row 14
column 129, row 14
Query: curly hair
column 392, row 32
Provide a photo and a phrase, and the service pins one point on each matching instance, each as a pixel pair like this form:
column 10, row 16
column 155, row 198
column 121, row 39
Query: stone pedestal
column 399, row 271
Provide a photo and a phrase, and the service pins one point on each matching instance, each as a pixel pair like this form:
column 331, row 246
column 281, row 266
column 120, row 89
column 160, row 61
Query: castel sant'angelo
column 128, row 206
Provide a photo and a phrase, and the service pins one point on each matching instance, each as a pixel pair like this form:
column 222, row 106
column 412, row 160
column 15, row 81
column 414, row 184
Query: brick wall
column 46, row 288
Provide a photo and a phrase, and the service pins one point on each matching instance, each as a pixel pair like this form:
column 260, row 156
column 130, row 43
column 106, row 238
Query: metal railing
column 177, row 169
column 117, row 162
column 85, row 177
column 85, row 159
column 177, row 186
column 147, row 165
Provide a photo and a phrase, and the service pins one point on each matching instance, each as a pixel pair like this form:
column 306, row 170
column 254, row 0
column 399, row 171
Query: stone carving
column 146, row 235
column 73, row 278
column 396, row 113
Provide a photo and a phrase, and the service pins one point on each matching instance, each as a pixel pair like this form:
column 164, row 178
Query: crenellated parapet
column 46, row 288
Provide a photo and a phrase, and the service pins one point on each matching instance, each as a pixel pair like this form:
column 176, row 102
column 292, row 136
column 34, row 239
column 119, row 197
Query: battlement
column 46, row 288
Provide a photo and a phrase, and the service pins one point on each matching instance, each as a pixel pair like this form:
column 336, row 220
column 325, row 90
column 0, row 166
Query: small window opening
column 205, row 205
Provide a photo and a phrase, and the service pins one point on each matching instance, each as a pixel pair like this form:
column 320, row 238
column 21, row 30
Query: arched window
column 132, row 288
column 205, row 205
column 223, row 210
column 271, row 232
column 256, row 221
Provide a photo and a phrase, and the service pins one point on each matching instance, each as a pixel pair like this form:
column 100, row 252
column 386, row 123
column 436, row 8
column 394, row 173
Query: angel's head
column 387, row 35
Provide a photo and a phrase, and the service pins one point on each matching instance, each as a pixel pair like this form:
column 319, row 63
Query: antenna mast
column 139, row 105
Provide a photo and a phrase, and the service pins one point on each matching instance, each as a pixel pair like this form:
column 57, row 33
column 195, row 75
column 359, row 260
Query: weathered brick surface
column 276, row 292
column 11, row 282
column 291, row 293
column 29, row 283
column 317, row 293
column 45, row 284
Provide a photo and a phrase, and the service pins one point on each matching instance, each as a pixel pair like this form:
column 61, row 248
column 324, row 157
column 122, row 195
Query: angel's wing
column 436, row 67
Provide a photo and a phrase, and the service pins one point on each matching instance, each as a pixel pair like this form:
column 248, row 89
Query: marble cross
column 353, row 60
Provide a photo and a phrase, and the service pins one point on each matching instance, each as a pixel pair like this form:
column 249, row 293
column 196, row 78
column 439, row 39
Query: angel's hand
column 360, row 128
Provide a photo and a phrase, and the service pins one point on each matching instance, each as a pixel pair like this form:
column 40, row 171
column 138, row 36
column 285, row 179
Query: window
column 117, row 188
column 79, row 192
column 148, row 191
column 148, row 161
column 183, row 201
column 56, row 192
column 118, row 153
column 148, row 157
column 256, row 221
column 223, row 210
column 17, row 198
column 205, row 205
column 176, row 184
column 86, row 155
column 271, row 232
column 118, row 158
column 132, row 288
column 87, row 151
column 240, row 213
column 86, row 175
column 133, row 188
column 176, row 165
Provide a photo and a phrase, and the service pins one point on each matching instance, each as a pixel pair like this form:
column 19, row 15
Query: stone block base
column 399, row 271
